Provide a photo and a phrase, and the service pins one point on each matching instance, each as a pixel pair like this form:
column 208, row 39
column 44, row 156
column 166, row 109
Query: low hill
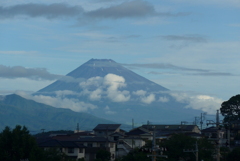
column 15, row 110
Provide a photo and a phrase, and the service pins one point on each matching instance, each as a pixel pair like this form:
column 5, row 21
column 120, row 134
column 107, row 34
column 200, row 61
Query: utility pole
column 195, row 120
column 132, row 123
column 218, row 137
column 107, row 138
column 202, row 118
column 154, row 145
column 77, row 127
column 217, row 123
column 155, row 148
column 228, row 137
column 132, row 128
column 193, row 151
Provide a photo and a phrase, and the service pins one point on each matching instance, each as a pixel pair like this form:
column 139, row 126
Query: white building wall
column 81, row 155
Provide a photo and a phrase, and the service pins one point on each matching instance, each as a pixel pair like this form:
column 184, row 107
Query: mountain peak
column 101, row 63
column 101, row 60
column 100, row 68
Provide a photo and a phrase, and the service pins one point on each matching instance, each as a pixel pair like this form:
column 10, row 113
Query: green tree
column 81, row 159
column 176, row 143
column 234, row 155
column 205, row 149
column 17, row 144
column 103, row 155
column 136, row 155
column 231, row 109
column 224, row 153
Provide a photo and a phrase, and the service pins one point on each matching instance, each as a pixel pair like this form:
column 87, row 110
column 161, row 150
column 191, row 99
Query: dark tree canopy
column 136, row 155
column 17, row 144
column 231, row 109
column 103, row 155
column 176, row 143
column 234, row 155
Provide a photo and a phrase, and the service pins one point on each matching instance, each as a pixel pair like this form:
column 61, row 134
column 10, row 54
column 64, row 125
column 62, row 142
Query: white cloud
column 94, row 81
column 119, row 96
column 148, row 99
column 108, row 111
column 163, row 99
column 108, row 86
column 145, row 99
column 59, row 102
column 64, row 93
column 205, row 103
column 96, row 95
column 114, row 81
column 140, row 93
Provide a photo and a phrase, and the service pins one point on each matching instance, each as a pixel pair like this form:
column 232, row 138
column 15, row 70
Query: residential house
column 173, row 128
column 113, row 132
column 141, row 132
column 71, row 149
column 80, row 145
column 105, row 130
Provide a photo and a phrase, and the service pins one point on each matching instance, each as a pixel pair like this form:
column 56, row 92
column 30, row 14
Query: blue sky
column 189, row 47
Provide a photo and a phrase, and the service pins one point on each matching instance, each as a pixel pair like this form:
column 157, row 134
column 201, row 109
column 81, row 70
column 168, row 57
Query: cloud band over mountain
column 164, row 66
column 30, row 73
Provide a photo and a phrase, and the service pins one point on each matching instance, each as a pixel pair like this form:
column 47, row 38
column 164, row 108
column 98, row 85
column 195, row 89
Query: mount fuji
column 108, row 90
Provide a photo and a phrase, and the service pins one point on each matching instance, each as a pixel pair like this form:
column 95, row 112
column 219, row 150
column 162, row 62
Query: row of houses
column 110, row 137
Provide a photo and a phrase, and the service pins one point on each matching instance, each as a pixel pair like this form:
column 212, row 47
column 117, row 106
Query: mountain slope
column 100, row 68
column 120, row 94
column 15, row 110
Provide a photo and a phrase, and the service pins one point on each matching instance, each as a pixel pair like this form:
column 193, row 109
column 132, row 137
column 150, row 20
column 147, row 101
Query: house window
column 70, row 150
column 90, row 145
column 111, row 145
column 80, row 150
column 102, row 145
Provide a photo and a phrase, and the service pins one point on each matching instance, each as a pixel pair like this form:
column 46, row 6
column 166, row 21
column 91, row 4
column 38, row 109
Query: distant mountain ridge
column 15, row 110
column 100, row 68
column 120, row 94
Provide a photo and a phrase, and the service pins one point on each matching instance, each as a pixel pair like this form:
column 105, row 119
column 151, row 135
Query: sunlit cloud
column 60, row 102
column 205, row 103
column 108, row 87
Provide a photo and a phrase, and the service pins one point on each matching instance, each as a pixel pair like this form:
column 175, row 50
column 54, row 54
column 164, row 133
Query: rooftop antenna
column 77, row 127
column 132, row 123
